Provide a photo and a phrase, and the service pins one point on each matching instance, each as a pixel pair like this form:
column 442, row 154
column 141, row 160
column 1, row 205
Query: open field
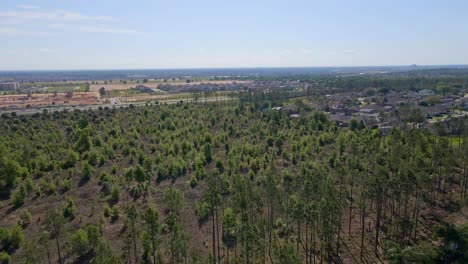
column 38, row 100
column 115, row 85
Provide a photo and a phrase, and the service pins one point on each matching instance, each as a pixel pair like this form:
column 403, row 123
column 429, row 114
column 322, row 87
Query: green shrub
column 115, row 213
column 107, row 210
column 115, row 194
column 65, row 185
column 86, row 171
column 72, row 158
column 4, row 258
column 193, row 181
column 202, row 210
column 25, row 218
column 10, row 171
column 17, row 198
column 136, row 192
column 51, row 188
column 139, row 173
column 102, row 160
column 16, row 236
column 4, row 237
column 113, row 170
column 80, row 243
column 69, row 209
column 93, row 158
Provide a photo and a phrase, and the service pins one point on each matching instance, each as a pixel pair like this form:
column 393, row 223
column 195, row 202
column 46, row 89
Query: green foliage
column 18, row 197
column 173, row 200
column 193, row 181
column 107, row 210
column 115, row 194
column 286, row 254
column 137, row 191
column 69, row 209
column 65, row 185
column 79, row 243
column 455, row 243
column 11, row 238
column 86, row 171
column 423, row 252
column 139, row 173
column 4, row 258
column 115, row 213
column 16, row 236
column 72, row 158
column 272, row 178
column 10, row 171
column 25, row 218
column 84, row 142
column 202, row 210
column 54, row 223
column 219, row 165
column 93, row 158
column 207, row 152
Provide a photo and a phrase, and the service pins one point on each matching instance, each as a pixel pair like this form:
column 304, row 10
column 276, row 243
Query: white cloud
column 349, row 51
column 56, row 20
column 56, row 15
column 306, row 51
column 28, row 7
column 46, row 50
column 287, row 52
column 20, row 32
column 95, row 29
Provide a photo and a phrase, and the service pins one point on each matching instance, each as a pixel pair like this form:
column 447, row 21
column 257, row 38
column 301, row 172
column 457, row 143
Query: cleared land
column 152, row 84
column 38, row 100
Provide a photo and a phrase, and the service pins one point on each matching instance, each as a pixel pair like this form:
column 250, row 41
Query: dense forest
column 227, row 183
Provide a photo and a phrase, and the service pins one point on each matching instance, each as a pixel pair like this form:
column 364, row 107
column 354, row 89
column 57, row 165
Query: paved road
column 114, row 102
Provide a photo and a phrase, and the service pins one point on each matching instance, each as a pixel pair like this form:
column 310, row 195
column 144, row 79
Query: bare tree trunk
column 217, row 234
column 363, row 219
column 214, row 236
column 377, row 223
column 48, row 251
column 58, row 250
column 351, row 205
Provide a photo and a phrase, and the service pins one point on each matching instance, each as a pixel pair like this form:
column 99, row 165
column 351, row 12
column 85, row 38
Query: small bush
column 79, row 243
column 93, row 158
column 71, row 160
column 4, row 237
column 202, row 210
column 115, row 213
column 113, row 170
column 51, row 188
column 107, row 210
column 136, row 192
column 115, row 194
column 86, row 171
column 65, row 185
column 193, row 181
column 17, row 198
column 4, row 258
column 25, row 218
column 16, row 236
column 69, row 210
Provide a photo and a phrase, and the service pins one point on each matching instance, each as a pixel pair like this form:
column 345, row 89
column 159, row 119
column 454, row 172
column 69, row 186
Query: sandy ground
column 35, row 100
column 114, row 86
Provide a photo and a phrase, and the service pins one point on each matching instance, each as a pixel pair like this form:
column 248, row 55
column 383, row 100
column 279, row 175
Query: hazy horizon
column 107, row 35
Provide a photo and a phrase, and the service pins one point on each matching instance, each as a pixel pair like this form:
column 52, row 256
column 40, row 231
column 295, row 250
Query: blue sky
column 116, row 34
